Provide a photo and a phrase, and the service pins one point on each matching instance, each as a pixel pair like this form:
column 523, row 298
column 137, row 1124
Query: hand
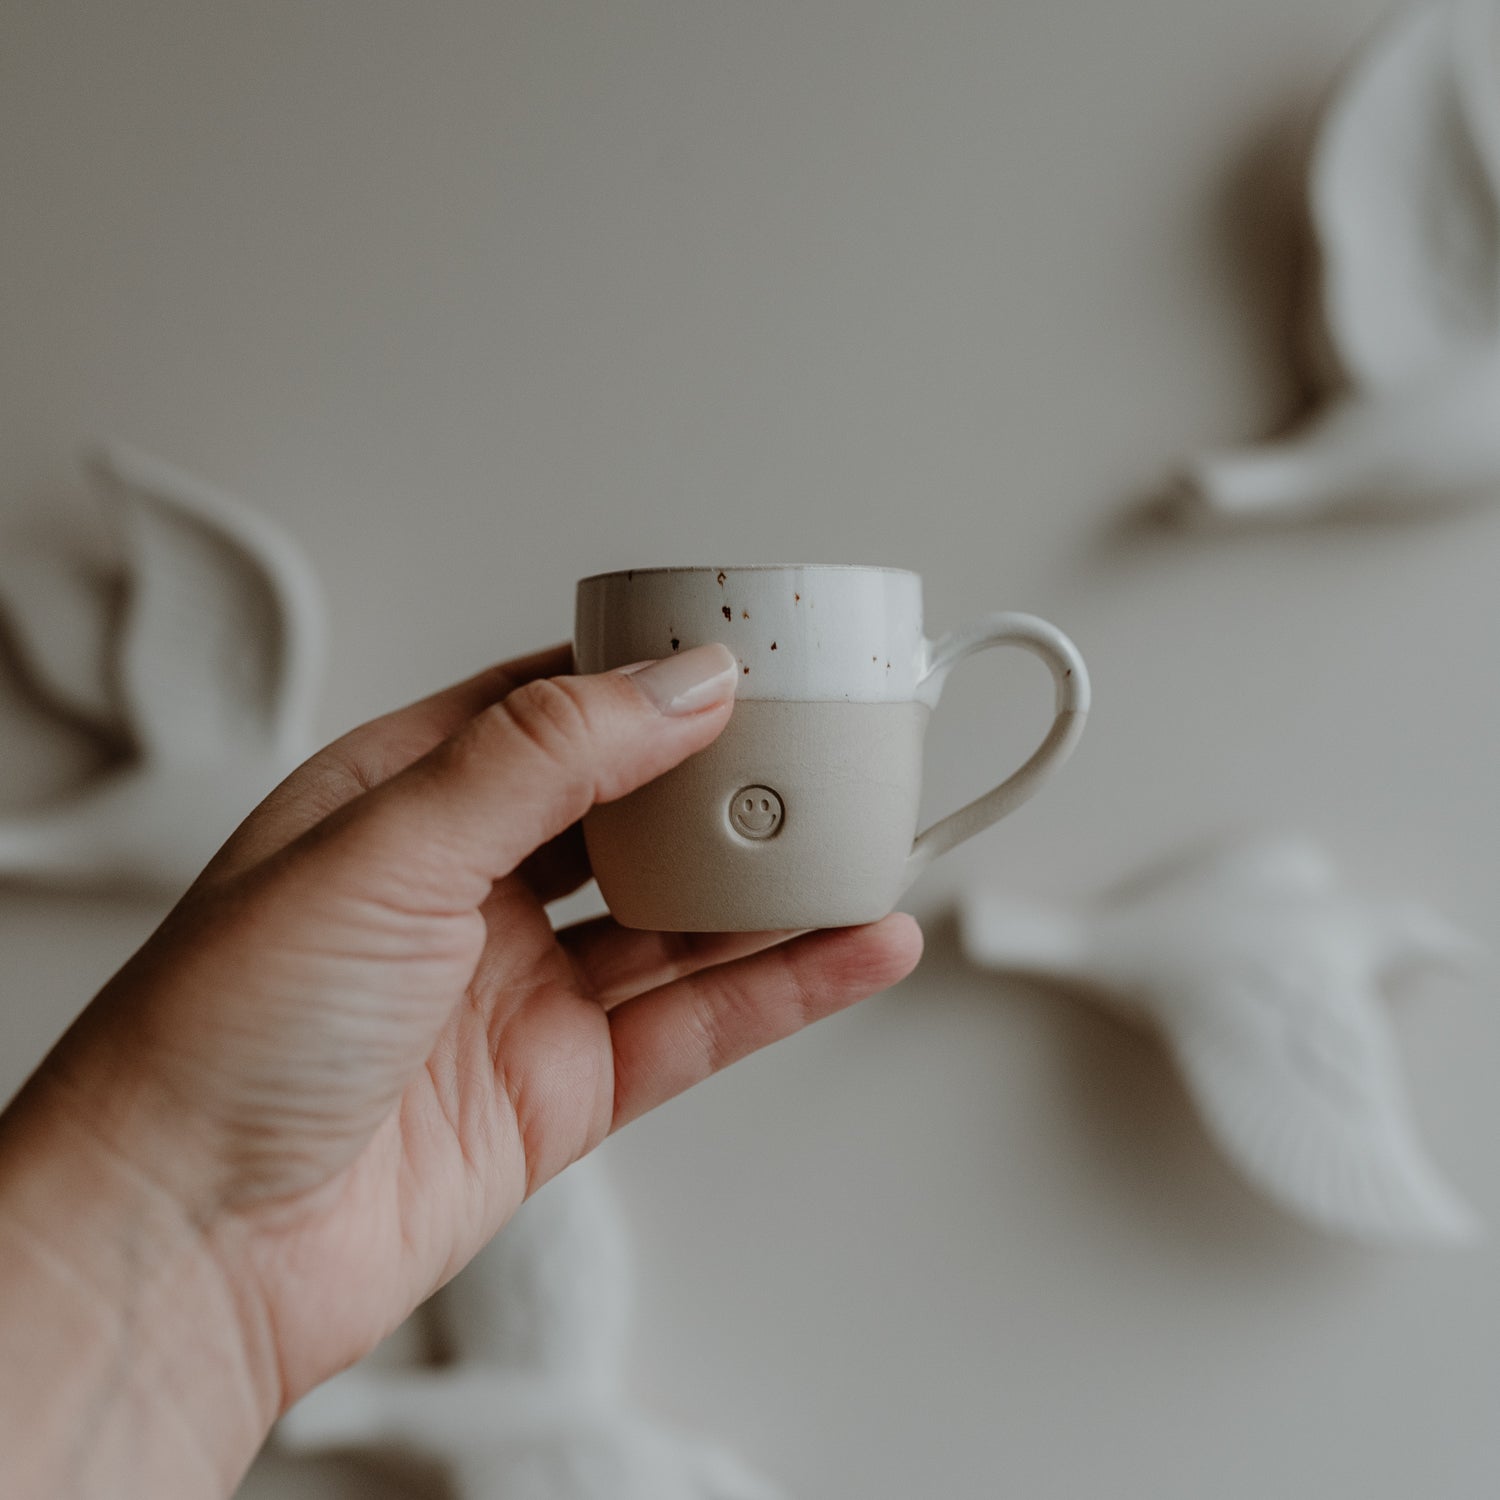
column 357, row 1044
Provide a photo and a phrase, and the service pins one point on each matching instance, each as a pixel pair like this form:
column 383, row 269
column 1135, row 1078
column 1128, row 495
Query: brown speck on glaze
column 888, row 666
column 1068, row 673
column 721, row 579
column 796, row 598
column 747, row 671
column 728, row 613
column 675, row 643
column 773, row 645
column 744, row 614
column 874, row 658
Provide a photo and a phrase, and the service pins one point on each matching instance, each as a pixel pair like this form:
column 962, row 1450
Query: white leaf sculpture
column 1261, row 973
column 1405, row 202
column 201, row 657
column 533, row 1406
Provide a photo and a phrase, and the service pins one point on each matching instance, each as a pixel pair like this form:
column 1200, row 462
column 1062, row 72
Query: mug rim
column 748, row 568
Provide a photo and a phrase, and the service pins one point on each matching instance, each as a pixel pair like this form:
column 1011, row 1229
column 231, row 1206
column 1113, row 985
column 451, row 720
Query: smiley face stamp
column 805, row 810
column 756, row 812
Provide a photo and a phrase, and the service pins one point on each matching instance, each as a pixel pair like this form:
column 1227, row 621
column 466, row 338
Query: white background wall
column 478, row 298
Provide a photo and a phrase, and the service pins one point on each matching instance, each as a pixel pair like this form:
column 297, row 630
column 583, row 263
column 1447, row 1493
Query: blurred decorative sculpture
column 532, row 1409
column 201, row 658
column 1405, row 201
column 1260, row 971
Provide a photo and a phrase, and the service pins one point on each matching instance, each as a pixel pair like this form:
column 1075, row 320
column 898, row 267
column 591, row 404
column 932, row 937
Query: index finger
column 675, row 1036
column 370, row 754
column 398, row 739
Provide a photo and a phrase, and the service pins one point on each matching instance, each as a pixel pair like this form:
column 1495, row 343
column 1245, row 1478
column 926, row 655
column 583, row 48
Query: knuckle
column 727, row 1020
column 804, row 999
column 550, row 714
column 705, row 1026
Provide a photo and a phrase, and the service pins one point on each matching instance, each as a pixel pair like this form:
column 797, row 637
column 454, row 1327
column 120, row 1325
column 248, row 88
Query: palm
column 397, row 1054
column 518, row 1084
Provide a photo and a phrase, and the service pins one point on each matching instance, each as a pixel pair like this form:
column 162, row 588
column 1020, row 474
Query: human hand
column 357, row 1044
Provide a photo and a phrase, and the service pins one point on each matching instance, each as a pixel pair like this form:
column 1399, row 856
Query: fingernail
column 695, row 680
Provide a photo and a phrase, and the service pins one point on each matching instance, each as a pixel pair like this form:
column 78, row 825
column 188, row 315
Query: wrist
column 127, row 1361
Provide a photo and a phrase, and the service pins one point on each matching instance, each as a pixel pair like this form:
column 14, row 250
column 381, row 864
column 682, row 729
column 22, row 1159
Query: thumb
column 527, row 767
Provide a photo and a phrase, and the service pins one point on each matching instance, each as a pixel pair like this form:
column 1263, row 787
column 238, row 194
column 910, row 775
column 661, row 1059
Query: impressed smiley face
column 755, row 812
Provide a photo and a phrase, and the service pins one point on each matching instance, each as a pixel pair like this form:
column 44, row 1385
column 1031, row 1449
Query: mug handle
column 1072, row 680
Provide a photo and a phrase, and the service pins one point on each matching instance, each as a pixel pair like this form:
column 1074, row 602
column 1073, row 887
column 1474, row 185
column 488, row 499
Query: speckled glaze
column 823, row 755
column 809, row 634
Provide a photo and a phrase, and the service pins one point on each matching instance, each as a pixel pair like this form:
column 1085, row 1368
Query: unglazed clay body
column 1261, row 973
column 804, row 812
column 533, row 1408
column 847, row 780
column 1405, row 201
column 203, row 658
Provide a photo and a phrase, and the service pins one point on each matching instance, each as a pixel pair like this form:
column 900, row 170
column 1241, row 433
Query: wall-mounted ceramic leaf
column 1405, row 200
column 200, row 657
column 1262, row 974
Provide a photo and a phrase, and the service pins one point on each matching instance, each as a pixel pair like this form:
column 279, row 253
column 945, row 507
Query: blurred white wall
column 478, row 298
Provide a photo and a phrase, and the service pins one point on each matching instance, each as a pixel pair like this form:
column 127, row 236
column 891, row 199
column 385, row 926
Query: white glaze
column 1405, row 202
column 206, row 671
column 808, row 633
column 553, row 1292
column 1261, row 972
column 534, row 1407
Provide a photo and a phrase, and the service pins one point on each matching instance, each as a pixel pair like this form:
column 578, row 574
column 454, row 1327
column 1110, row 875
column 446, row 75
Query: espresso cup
column 803, row 813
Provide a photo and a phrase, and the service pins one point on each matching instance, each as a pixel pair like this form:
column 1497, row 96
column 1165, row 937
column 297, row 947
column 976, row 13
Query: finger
column 674, row 1037
column 559, row 867
column 370, row 755
column 519, row 773
column 617, row 963
column 389, row 744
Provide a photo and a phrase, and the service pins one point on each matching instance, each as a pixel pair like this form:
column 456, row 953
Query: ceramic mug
column 803, row 813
